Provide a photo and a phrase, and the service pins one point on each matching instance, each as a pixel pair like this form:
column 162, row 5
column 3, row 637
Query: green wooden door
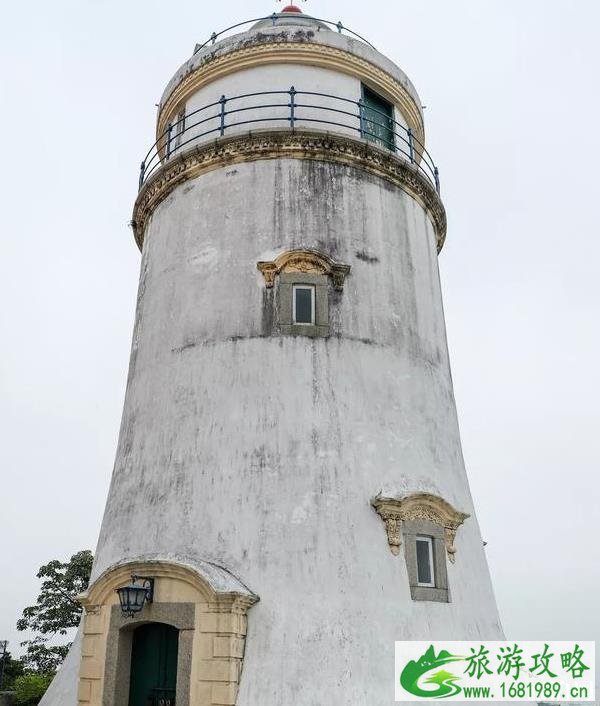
column 153, row 665
column 378, row 119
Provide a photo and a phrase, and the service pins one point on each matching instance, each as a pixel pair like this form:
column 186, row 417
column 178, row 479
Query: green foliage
column 13, row 668
column 29, row 688
column 55, row 611
column 42, row 659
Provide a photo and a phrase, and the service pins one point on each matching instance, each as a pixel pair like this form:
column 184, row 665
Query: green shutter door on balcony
column 379, row 119
column 153, row 665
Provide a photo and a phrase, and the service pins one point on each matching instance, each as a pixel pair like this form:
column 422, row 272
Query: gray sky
column 511, row 89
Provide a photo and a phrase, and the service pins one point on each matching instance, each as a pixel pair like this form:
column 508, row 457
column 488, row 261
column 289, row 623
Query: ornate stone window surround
column 212, row 632
column 422, row 514
column 303, row 267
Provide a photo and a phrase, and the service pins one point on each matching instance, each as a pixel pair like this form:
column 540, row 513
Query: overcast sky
column 512, row 95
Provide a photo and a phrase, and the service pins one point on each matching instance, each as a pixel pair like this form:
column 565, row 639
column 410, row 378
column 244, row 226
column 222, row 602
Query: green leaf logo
column 413, row 675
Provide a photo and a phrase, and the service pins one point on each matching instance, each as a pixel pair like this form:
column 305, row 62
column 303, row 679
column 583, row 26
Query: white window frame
column 429, row 540
column 313, row 297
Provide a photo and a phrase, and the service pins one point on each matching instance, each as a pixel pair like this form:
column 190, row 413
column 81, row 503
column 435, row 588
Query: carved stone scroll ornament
column 392, row 526
column 307, row 261
column 419, row 506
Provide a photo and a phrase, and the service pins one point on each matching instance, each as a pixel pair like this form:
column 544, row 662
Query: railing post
column 142, row 170
column 361, row 114
column 213, row 37
column 340, row 26
column 292, row 107
column 168, row 149
column 222, row 101
column 436, row 174
column 411, row 145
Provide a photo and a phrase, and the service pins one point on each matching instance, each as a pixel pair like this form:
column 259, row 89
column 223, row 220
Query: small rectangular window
column 303, row 303
column 425, row 570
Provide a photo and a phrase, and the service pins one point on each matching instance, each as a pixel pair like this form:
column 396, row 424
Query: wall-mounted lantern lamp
column 135, row 595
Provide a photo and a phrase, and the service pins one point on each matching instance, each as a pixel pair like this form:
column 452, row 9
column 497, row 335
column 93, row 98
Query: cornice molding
column 275, row 51
column 419, row 506
column 288, row 144
column 104, row 586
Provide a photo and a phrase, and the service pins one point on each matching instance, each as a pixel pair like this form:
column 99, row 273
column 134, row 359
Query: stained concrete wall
column 261, row 453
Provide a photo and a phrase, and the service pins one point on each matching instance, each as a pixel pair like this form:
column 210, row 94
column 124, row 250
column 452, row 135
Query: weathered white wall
column 63, row 689
column 262, row 454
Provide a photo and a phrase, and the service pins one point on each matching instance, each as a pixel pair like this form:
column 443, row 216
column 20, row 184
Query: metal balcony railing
column 291, row 108
column 276, row 18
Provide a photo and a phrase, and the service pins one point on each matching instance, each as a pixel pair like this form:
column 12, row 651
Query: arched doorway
column 153, row 665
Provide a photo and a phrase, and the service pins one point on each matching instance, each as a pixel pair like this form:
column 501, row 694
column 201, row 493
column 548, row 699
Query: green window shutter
column 378, row 119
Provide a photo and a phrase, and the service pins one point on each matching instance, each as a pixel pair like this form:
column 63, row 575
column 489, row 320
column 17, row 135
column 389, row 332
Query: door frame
column 117, row 672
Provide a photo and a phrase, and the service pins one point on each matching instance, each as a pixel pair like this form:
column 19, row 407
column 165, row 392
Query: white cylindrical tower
column 289, row 472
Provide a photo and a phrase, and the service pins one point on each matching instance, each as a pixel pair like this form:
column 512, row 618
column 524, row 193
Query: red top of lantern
column 292, row 8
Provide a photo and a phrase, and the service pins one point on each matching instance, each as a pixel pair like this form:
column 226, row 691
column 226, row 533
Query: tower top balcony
column 289, row 75
column 291, row 38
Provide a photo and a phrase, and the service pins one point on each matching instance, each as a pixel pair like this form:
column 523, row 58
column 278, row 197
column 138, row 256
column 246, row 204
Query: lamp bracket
column 148, row 584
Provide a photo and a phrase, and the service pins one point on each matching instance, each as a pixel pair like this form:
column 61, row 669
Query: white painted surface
column 63, row 689
column 262, row 454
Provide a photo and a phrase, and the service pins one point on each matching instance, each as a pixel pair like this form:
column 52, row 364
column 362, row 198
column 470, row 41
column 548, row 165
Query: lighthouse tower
column 289, row 490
